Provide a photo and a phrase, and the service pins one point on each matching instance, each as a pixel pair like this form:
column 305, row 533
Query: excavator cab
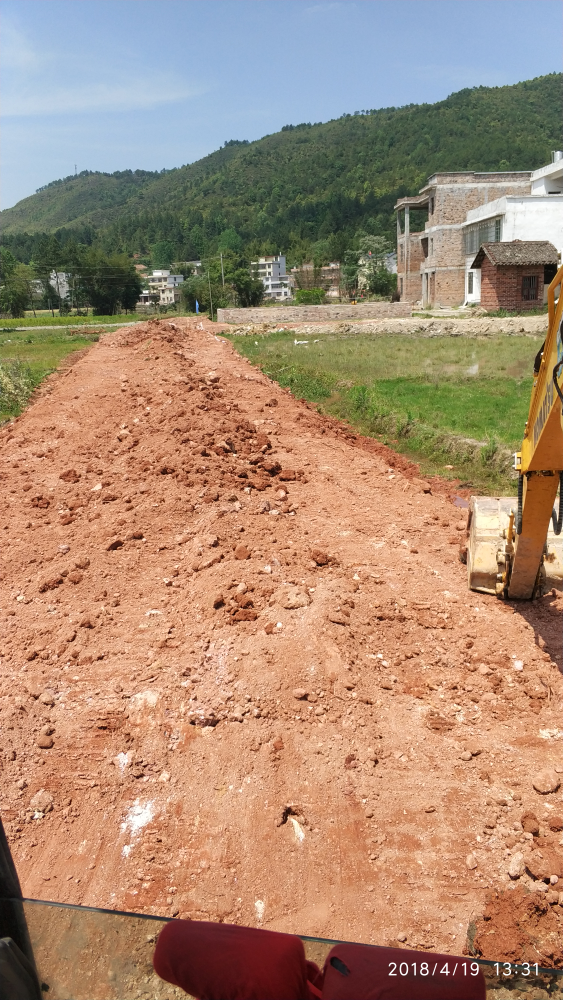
column 515, row 544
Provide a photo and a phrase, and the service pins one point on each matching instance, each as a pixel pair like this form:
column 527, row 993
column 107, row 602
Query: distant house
column 514, row 275
column 166, row 285
column 277, row 283
column 365, row 266
column 60, row 283
column 327, row 277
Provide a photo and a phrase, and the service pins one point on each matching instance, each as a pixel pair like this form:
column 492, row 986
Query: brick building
column 463, row 211
column 513, row 275
column 431, row 263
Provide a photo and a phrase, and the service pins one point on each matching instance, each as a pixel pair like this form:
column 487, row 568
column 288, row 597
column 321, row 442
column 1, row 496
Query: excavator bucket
column 488, row 527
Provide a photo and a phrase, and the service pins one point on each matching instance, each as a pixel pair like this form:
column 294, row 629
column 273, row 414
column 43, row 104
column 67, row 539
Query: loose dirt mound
column 522, row 927
column 243, row 678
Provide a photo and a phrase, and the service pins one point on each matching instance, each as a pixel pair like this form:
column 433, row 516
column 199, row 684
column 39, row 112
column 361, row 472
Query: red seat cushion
column 227, row 962
column 361, row 972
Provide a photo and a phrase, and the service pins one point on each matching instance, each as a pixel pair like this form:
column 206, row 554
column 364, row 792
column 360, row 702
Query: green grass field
column 47, row 319
column 27, row 357
column 443, row 401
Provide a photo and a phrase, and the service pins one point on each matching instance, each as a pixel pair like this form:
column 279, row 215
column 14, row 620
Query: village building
column 515, row 276
column 163, row 289
column 327, row 277
column 465, row 210
column 272, row 273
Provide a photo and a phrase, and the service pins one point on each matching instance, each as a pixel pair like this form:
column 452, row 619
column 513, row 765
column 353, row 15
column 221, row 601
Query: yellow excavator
column 515, row 545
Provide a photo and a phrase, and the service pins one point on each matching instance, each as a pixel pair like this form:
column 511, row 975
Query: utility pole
column 210, row 299
column 222, row 271
column 58, row 292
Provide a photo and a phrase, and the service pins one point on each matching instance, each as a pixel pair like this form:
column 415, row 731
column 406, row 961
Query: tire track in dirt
column 242, row 676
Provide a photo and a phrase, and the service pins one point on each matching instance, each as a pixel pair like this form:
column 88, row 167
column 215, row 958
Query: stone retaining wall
column 315, row 314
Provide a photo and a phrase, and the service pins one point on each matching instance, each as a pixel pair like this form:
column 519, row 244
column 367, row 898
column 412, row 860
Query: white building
column 164, row 279
column 60, row 283
column 165, row 285
column 277, row 283
column 534, row 216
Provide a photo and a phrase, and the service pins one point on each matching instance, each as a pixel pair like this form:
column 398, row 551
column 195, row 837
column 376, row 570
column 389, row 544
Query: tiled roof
column 527, row 253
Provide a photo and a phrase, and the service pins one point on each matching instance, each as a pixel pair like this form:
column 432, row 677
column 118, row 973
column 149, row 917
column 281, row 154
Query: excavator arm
column 515, row 545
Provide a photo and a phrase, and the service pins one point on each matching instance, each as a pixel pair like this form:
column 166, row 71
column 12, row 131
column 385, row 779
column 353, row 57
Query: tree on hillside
column 163, row 254
column 230, row 240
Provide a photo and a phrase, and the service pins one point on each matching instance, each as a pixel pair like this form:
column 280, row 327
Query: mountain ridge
column 305, row 184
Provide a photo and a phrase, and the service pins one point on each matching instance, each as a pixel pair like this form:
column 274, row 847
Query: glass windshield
column 82, row 953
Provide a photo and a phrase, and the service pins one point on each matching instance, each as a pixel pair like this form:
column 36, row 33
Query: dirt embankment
column 479, row 326
column 242, row 676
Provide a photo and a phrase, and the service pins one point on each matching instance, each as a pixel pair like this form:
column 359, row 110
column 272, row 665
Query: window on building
column 489, row 231
column 431, row 206
column 529, row 287
column 470, row 283
column 402, row 249
column 401, row 285
column 431, row 246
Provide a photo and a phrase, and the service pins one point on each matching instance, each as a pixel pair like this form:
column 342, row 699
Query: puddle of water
column 461, row 502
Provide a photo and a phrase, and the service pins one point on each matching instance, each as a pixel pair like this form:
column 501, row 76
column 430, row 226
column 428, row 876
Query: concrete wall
column 315, row 314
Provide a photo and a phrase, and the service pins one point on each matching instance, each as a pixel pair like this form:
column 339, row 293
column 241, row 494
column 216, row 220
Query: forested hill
column 306, row 185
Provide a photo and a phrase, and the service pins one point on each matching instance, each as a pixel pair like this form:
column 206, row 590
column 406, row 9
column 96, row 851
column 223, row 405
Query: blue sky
column 116, row 84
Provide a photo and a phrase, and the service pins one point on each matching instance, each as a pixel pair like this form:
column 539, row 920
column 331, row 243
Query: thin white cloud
column 17, row 51
column 129, row 95
column 31, row 82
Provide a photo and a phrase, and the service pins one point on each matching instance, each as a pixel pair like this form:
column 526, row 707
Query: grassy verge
column 48, row 320
column 27, row 357
column 456, row 406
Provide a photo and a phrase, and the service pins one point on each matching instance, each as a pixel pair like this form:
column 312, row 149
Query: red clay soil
column 242, row 676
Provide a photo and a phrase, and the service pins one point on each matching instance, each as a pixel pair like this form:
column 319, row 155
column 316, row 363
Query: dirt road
column 242, row 676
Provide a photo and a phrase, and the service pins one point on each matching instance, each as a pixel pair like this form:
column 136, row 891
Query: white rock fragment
column 297, row 829
column 516, row 867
